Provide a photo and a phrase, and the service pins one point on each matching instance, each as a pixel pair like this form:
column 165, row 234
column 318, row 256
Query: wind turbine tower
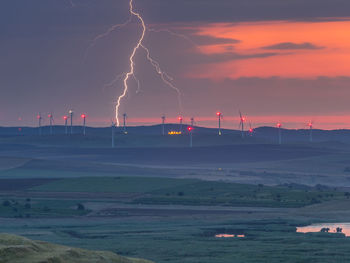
column 51, row 122
column 241, row 123
column 83, row 116
column 190, row 130
column 71, row 113
column 219, row 114
column 113, row 133
column 251, row 130
column 39, row 123
column 311, row 129
column 192, row 121
column 279, row 126
column 180, row 120
column 65, row 118
column 163, row 125
column 124, row 123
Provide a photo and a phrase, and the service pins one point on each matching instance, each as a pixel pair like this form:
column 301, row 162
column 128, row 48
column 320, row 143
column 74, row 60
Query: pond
column 326, row 227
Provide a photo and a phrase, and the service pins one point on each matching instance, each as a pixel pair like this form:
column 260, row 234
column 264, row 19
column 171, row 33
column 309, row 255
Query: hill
column 260, row 134
column 16, row 249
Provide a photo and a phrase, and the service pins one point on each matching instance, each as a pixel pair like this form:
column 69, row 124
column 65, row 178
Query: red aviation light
column 218, row 113
column 83, row 116
column 279, row 125
column 65, row 117
column 189, row 128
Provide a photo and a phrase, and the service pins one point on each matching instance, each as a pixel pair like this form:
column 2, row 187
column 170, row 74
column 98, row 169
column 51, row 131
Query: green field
column 196, row 192
column 78, row 194
column 193, row 240
column 29, row 208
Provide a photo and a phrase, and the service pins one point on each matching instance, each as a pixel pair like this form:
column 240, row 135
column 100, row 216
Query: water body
column 327, row 227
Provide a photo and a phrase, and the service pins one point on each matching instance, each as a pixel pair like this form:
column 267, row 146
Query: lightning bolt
column 131, row 73
column 71, row 3
column 175, row 34
column 106, row 34
column 164, row 76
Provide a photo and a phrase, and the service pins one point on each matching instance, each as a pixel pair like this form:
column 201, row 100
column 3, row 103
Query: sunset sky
column 276, row 61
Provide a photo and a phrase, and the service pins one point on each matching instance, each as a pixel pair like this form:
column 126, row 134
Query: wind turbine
column 113, row 132
column 180, row 118
column 83, row 116
column 279, row 126
column 65, row 118
column 311, row 126
column 40, row 118
column 124, row 123
column 219, row 114
column 251, row 130
column 192, row 121
column 190, row 130
column 241, row 123
column 71, row 113
column 51, row 122
column 163, row 125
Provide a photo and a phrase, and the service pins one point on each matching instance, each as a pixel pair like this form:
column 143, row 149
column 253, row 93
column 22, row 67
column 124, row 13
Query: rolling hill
column 16, row 249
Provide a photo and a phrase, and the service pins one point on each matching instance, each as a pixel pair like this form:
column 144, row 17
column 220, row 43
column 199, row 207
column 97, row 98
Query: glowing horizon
column 335, row 122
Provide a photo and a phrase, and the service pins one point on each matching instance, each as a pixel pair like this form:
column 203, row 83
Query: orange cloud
column 330, row 60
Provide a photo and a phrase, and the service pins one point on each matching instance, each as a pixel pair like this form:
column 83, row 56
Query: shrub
column 80, row 207
column 6, row 203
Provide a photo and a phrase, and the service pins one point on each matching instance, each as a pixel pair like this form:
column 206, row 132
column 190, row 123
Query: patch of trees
column 80, row 207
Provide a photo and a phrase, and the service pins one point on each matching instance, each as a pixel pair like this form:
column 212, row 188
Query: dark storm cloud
column 292, row 46
column 200, row 58
column 194, row 38
column 36, row 16
column 209, row 40
column 238, row 10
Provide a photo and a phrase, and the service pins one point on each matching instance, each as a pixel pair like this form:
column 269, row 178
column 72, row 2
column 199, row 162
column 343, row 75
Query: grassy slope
column 17, row 249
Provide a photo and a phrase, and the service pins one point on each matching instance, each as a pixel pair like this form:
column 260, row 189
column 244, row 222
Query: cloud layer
column 292, row 46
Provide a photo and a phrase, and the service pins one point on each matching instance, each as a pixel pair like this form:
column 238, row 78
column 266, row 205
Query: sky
column 276, row 61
